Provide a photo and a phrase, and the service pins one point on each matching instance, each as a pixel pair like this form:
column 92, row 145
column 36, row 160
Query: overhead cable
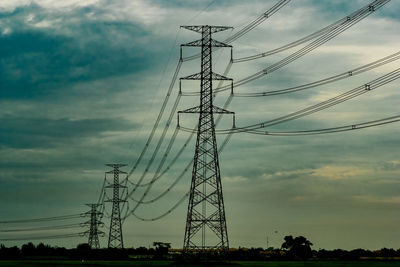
column 260, row 19
column 52, row 227
column 344, row 75
column 163, row 106
column 338, row 129
column 181, row 200
column 387, row 78
column 352, row 20
column 356, row 126
column 155, row 178
column 43, row 237
column 159, row 143
column 45, row 219
column 297, row 42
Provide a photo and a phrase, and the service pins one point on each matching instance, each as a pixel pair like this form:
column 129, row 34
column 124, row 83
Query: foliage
column 298, row 247
column 291, row 252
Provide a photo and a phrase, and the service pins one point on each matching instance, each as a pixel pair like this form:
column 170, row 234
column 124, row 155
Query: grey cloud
column 19, row 132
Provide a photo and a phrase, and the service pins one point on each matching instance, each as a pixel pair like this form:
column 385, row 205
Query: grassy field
column 237, row 263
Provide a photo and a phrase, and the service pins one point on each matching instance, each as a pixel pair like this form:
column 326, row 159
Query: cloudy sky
column 82, row 82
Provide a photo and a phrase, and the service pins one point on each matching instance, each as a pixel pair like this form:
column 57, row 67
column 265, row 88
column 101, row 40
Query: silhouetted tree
column 83, row 251
column 161, row 248
column 28, row 249
column 298, row 247
column 9, row 253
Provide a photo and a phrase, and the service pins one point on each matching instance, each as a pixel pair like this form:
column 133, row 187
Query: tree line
column 293, row 248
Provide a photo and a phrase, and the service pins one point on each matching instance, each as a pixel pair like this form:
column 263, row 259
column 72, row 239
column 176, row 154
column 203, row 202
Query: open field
column 235, row 263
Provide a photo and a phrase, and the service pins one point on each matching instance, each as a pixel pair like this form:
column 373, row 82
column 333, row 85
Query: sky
column 82, row 83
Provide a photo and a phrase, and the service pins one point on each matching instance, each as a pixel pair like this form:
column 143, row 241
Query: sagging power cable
column 338, row 129
column 45, row 219
column 228, row 101
column 232, row 38
column 385, row 79
column 260, row 19
column 352, row 20
column 344, row 75
column 163, row 106
column 159, row 143
column 351, row 127
column 44, row 237
column 52, row 227
column 181, row 200
column 246, row 29
column 297, row 42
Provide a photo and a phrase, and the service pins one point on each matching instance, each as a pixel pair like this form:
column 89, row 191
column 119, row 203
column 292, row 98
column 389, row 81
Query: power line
column 174, row 160
column 102, row 191
column 352, row 20
column 52, row 227
column 344, row 75
column 280, row 4
column 297, row 42
column 180, row 201
column 250, row 26
column 163, row 106
column 245, row 30
column 156, row 175
column 338, row 129
column 351, row 127
column 45, row 219
column 234, row 37
column 160, row 141
column 179, row 177
column 387, row 78
column 44, row 237
column 180, row 152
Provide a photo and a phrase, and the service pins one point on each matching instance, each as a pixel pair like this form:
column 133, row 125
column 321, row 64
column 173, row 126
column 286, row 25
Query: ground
column 17, row 263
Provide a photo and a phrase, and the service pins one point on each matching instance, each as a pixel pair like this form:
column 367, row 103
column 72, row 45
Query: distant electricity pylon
column 115, row 239
column 206, row 211
column 94, row 223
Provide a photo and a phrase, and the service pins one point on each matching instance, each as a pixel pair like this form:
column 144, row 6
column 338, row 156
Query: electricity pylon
column 94, row 223
column 206, row 211
column 115, row 239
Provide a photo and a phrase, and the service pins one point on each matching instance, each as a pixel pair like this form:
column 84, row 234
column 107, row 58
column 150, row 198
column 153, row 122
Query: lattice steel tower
column 94, row 223
column 206, row 211
column 115, row 239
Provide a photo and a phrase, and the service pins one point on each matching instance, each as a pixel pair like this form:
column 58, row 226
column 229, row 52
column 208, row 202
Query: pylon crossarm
column 196, row 76
column 193, row 44
column 120, row 172
column 200, row 28
column 116, row 185
column 191, row 110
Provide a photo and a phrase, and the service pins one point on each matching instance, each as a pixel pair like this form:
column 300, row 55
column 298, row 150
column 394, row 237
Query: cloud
column 82, row 83
column 37, row 63
column 234, row 179
column 17, row 132
column 11, row 5
column 332, row 172
column 287, row 174
column 368, row 199
column 340, row 172
column 392, row 165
